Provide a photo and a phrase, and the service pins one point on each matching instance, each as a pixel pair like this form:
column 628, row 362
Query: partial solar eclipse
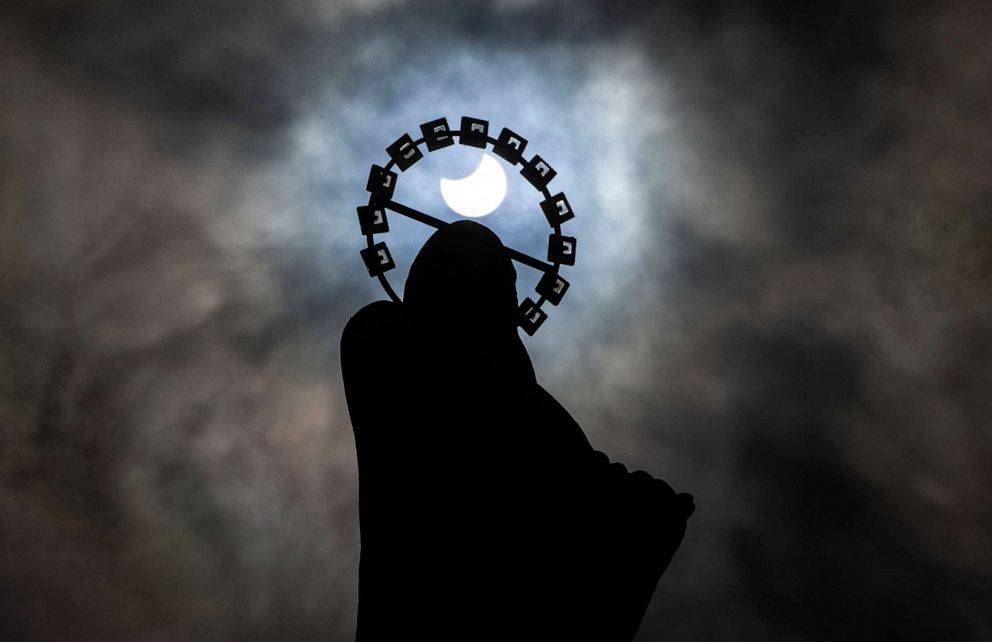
column 479, row 193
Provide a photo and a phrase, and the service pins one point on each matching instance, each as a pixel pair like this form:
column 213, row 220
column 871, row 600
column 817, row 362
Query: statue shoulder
column 372, row 318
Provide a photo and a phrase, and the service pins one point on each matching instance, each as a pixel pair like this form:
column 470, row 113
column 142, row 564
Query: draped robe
column 485, row 513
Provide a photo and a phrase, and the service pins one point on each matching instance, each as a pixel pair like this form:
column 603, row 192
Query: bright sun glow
column 479, row 193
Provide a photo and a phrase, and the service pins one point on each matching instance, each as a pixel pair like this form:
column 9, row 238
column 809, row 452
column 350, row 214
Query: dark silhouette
column 485, row 513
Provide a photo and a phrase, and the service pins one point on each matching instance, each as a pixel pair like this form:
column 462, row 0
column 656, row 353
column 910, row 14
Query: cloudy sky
column 782, row 302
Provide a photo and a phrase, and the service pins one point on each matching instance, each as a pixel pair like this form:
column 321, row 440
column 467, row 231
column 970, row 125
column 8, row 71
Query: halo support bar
column 416, row 215
column 529, row 261
column 437, row 223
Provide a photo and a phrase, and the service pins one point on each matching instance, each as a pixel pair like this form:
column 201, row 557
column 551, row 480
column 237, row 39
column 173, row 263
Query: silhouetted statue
column 485, row 513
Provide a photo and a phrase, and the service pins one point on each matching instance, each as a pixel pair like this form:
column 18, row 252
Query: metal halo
column 509, row 146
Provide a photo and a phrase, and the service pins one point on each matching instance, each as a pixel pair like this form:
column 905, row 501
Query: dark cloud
column 781, row 304
column 822, row 559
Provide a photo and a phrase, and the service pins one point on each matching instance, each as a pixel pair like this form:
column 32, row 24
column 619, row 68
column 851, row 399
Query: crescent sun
column 479, row 193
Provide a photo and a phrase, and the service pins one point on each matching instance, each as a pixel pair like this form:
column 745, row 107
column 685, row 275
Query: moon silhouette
column 479, row 193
